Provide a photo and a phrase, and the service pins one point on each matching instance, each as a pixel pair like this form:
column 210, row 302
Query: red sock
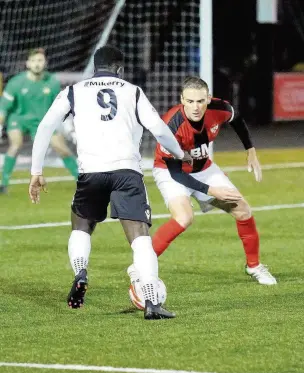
column 165, row 235
column 250, row 237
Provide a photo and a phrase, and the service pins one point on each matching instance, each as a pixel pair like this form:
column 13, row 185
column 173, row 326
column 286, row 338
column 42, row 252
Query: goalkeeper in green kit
column 25, row 100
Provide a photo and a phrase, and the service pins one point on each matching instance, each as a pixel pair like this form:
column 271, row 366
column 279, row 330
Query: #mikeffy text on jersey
column 109, row 115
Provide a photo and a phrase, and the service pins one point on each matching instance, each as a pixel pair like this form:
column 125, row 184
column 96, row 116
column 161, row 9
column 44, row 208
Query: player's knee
column 80, row 224
column 134, row 229
column 185, row 220
column 59, row 145
column 243, row 212
column 14, row 148
column 65, row 154
column 63, row 151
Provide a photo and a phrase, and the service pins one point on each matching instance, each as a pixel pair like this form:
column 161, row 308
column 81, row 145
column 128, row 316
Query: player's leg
column 89, row 206
column 249, row 235
column 129, row 204
column 79, row 249
column 144, row 257
column 15, row 139
column 79, row 246
column 214, row 176
column 246, row 228
column 181, row 218
column 177, row 199
column 245, row 222
column 145, row 261
column 59, row 144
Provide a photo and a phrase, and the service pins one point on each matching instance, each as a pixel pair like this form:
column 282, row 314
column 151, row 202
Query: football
column 136, row 295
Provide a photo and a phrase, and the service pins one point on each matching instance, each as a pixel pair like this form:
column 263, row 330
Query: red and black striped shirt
column 195, row 141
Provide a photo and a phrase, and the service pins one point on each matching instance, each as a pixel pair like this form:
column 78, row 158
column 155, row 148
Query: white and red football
column 137, row 298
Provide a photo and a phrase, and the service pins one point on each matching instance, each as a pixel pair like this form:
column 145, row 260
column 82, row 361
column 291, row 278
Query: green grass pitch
column 225, row 322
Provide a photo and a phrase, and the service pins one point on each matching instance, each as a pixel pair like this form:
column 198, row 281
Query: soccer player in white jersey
column 109, row 116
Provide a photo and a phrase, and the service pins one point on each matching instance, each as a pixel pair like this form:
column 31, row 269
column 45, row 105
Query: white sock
column 133, row 273
column 146, row 263
column 79, row 250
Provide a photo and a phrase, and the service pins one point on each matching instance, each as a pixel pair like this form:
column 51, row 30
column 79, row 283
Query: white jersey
column 109, row 115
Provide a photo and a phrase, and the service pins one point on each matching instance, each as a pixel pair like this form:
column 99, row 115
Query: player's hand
column 187, row 158
column 254, row 164
column 225, row 194
column 37, row 183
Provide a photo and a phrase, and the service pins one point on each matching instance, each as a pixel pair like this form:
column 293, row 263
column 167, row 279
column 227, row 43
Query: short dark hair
column 194, row 82
column 108, row 57
column 34, row 51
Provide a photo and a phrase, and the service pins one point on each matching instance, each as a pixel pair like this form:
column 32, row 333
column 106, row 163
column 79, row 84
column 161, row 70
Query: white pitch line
column 92, row 368
column 276, row 166
column 51, row 179
column 154, row 217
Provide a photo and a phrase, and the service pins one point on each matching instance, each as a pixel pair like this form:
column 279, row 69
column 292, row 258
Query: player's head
column 36, row 61
column 195, row 97
column 109, row 58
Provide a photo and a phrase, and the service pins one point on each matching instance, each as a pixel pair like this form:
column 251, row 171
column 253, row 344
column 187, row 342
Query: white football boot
column 261, row 274
column 133, row 273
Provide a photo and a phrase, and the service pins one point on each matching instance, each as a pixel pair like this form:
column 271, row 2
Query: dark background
column 246, row 53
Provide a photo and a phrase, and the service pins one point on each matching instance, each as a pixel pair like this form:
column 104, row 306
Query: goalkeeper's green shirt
column 27, row 98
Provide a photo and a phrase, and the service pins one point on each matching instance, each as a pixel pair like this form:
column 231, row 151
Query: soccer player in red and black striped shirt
column 195, row 123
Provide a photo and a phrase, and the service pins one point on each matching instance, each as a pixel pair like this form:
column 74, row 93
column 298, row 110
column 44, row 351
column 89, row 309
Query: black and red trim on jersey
column 195, row 141
column 176, row 121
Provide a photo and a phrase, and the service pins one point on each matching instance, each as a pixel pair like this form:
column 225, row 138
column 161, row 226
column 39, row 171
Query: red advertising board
column 288, row 96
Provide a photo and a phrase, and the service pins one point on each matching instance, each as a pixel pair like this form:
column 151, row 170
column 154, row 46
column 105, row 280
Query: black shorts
column 124, row 189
